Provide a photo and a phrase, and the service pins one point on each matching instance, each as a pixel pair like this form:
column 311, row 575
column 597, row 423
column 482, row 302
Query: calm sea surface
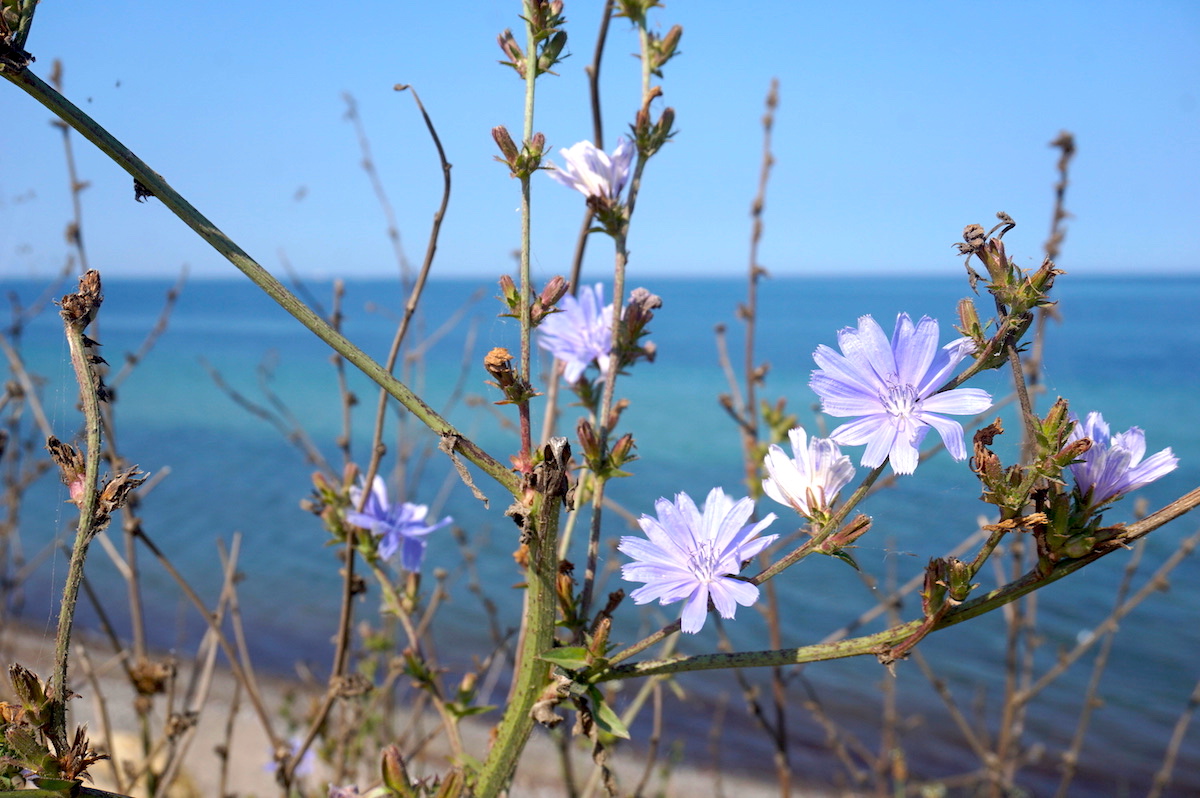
column 1126, row 347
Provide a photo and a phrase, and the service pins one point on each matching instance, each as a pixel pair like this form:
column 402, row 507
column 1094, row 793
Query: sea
column 213, row 407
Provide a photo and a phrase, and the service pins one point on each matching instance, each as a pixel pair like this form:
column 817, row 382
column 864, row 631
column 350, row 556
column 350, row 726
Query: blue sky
column 899, row 123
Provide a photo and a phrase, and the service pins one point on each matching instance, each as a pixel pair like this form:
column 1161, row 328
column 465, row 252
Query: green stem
column 532, row 672
column 84, row 533
column 884, row 641
column 531, row 74
column 152, row 181
column 540, row 531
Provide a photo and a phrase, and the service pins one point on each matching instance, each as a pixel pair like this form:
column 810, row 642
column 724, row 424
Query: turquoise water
column 1126, row 347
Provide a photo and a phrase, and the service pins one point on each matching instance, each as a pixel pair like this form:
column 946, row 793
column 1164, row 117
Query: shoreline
column 103, row 688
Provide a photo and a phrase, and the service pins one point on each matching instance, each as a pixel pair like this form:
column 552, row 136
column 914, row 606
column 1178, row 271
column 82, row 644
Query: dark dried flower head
column 498, row 363
column 150, row 678
column 116, row 491
column 70, row 466
column 81, row 307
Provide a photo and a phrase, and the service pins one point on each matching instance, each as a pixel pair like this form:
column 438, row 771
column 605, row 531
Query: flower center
column 703, row 562
column 899, row 400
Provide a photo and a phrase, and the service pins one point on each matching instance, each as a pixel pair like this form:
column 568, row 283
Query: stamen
column 899, row 400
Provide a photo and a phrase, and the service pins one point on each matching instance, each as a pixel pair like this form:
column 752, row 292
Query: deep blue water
column 1127, row 347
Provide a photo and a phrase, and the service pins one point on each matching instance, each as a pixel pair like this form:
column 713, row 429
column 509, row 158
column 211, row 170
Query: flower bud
column 600, row 635
column 858, row 526
column 933, row 595
column 550, row 51
column 467, row 686
column 509, row 46
column 1057, row 420
column 589, row 444
column 622, row 451
column 507, row 147
column 1043, row 279
column 545, row 16
column 663, row 50
column 969, row 325
column 996, row 260
column 635, row 10
column 395, row 774
column 536, row 146
column 509, row 292
column 1079, row 546
column 960, row 580
column 31, row 693
column 555, row 290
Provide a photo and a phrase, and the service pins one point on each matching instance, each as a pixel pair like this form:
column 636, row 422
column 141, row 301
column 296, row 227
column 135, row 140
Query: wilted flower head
column 810, row 481
column 691, row 555
column 399, row 527
column 893, row 386
column 1114, row 465
column 594, row 173
column 580, row 333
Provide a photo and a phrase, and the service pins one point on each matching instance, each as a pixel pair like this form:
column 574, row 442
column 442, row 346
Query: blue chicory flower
column 304, row 767
column 810, row 480
column 594, row 173
column 1114, row 465
column 399, row 527
column 894, row 386
column 692, row 555
column 580, row 332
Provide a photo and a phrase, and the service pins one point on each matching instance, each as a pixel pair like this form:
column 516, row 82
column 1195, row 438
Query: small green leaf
column 606, row 719
column 845, row 557
column 573, row 658
column 460, row 710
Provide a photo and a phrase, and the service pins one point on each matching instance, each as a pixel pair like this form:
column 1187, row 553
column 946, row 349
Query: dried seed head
column 80, row 308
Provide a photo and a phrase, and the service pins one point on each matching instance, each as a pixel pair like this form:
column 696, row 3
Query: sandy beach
column 227, row 722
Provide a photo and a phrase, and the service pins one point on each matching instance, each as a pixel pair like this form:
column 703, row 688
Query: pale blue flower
column 894, row 386
column 304, row 767
column 399, row 527
column 810, row 480
column 594, row 173
column 1114, row 465
column 692, row 555
column 581, row 332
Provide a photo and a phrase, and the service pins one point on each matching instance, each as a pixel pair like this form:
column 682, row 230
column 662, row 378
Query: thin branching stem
column 589, row 215
column 880, row 642
column 414, row 297
column 151, row 181
column 526, row 282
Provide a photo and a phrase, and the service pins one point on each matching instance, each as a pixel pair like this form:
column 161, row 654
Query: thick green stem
column 158, row 187
column 85, row 531
column 532, row 672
